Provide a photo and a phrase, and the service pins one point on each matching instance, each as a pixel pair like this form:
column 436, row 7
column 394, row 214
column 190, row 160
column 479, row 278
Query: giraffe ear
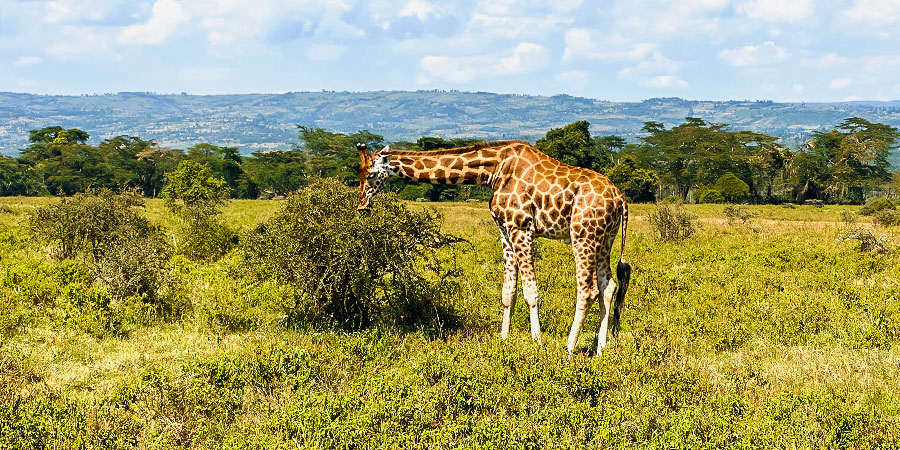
column 386, row 148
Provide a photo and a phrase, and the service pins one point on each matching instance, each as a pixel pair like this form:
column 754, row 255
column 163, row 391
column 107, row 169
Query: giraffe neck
column 465, row 165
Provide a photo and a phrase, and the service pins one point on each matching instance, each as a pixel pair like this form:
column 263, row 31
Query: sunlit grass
column 769, row 334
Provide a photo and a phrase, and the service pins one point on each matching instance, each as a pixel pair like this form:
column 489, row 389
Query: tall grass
column 773, row 334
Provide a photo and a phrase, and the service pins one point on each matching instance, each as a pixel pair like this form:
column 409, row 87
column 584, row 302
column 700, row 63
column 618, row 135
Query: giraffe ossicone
column 534, row 196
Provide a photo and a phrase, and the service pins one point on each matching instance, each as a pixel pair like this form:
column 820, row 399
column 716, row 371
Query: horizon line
column 321, row 91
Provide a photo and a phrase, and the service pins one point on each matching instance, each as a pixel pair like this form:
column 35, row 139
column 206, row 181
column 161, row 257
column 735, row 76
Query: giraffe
column 534, row 196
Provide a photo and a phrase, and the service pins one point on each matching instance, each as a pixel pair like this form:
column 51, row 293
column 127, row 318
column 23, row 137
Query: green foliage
column 709, row 195
column 841, row 164
column 572, row 144
column 887, row 218
column 698, row 152
column 195, row 194
column 355, row 268
column 877, row 205
column 125, row 252
column 334, row 154
column 866, row 239
column 737, row 213
column 671, row 222
column 638, row 185
column 414, row 191
column 732, row 188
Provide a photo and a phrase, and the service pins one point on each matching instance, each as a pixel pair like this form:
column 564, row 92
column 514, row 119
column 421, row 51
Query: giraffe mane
column 478, row 146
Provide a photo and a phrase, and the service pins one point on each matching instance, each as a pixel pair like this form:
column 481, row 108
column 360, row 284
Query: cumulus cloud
column 656, row 63
column 874, row 12
column 580, row 44
column 79, row 41
column 525, row 57
column 167, row 16
column 27, row 61
column 665, row 81
column 753, row 55
column 655, row 17
column 777, row 10
column 418, row 8
column 827, row 61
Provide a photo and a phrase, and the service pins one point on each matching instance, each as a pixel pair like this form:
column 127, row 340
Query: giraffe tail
column 623, row 275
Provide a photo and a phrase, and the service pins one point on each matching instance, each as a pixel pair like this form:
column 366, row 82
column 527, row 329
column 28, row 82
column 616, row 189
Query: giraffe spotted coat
column 534, row 196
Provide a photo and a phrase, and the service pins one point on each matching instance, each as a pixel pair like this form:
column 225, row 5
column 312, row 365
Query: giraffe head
column 372, row 171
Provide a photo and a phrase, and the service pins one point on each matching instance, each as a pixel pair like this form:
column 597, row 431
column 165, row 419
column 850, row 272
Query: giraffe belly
column 545, row 227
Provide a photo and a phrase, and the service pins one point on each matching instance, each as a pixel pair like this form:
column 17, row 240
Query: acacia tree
column 696, row 153
column 842, row 164
column 573, row 145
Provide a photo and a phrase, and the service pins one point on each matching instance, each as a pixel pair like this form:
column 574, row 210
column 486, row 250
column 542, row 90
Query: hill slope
column 266, row 121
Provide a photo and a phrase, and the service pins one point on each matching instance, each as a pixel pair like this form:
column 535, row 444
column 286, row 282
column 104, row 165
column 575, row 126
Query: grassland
column 771, row 334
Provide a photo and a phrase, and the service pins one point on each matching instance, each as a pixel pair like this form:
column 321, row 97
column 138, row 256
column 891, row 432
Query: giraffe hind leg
column 585, row 276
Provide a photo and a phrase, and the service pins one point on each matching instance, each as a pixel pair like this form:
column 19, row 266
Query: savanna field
column 772, row 333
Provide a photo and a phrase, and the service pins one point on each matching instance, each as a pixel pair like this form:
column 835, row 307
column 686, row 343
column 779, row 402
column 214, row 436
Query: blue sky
column 798, row 50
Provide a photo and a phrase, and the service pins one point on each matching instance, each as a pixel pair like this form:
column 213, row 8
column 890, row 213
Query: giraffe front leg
column 510, row 282
column 521, row 242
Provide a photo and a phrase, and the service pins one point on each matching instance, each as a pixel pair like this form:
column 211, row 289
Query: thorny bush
column 125, row 252
column 671, row 222
column 386, row 264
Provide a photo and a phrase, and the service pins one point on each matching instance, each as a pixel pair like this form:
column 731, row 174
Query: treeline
column 695, row 161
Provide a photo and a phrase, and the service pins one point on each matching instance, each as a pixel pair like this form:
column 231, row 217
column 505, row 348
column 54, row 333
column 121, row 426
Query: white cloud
column 753, row 55
column 68, row 11
column 656, row 63
column 671, row 17
column 873, row 12
column 840, row 83
column 879, row 63
column 580, row 44
column 526, row 57
column 827, row 61
column 27, row 61
column 325, row 52
column 80, row 41
column 512, row 27
column 167, row 16
column 665, row 81
column 777, row 10
column 418, row 8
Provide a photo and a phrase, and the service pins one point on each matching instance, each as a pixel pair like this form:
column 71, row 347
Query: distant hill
column 254, row 122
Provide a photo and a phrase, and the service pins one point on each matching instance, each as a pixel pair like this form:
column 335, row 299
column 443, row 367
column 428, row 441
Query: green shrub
column 671, row 222
column 736, row 213
column 354, row 267
column 732, row 188
column 414, row 191
column 638, row 185
column 867, row 241
column 195, row 194
column 125, row 252
column 709, row 195
column 887, row 217
column 877, row 205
